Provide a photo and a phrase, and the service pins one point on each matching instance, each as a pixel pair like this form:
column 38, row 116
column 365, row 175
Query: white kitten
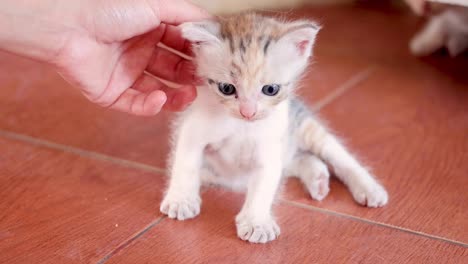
column 247, row 130
column 448, row 29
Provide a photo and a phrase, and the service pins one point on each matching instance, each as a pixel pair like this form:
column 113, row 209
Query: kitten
column 246, row 129
column 449, row 29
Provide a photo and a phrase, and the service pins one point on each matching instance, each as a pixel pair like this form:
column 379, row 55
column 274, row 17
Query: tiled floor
column 80, row 184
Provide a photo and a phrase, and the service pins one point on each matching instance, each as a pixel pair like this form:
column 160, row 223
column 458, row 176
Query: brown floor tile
column 410, row 124
column 307, row 237
column 63, row 208
column 377, row 33
column 35, row 101
column 328, row 73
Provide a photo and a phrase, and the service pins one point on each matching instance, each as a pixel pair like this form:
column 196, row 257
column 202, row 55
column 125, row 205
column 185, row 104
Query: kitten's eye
column 227, row 88
column 271, row 90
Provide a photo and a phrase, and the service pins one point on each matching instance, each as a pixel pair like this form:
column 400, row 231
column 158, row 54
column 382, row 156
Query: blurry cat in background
column 246, row 129
column 447, row 28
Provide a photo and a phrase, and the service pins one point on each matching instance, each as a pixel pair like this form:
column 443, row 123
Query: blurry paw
column 180, row 208
column 259, row 232
column 370, row 195
column 419, row 47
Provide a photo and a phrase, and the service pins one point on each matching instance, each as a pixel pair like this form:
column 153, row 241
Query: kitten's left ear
column 300, row 36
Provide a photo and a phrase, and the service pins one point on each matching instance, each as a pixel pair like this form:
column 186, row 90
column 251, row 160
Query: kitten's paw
column 419, row 47
column 181, row 208
column 370, row 195
column 319, row 187
column 257, row 232
column 314, row 173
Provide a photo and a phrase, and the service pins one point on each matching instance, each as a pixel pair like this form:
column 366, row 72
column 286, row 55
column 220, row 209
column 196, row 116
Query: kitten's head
column 251, row 62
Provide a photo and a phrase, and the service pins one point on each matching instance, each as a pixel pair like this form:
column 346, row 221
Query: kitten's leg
column 313, row 173
column 182, row 200
column 456, row 44
column 364, row 188
column 255, row 222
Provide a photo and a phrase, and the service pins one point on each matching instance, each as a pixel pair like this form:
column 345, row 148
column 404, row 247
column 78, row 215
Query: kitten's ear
column 206, row 32
column 301, row 37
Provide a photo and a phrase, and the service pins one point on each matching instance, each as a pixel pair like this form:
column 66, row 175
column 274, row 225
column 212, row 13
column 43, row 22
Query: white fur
column 365, row 189
column 240, row 154
column 313, row 172
column 253, row 152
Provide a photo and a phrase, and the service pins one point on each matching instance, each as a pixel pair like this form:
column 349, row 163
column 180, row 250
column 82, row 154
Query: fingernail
column 164, row 99
column 156, row 104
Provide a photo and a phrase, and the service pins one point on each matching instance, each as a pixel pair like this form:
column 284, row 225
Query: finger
column 146, row 84
column 171, row 67
column 177, row 98
column 141, row 104
column 172, row 38
column 128, row 68
column 179, row 11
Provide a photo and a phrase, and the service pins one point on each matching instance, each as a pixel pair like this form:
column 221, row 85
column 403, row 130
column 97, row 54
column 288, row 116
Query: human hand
column 105, row 47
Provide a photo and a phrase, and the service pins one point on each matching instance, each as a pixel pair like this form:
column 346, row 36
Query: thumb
column 179, row 11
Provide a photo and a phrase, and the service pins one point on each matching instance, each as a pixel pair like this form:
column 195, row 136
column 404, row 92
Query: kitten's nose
column 248, row 112
column 247, row 108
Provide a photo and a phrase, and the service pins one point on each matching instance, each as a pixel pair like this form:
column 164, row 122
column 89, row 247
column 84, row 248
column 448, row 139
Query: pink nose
column 248, row 113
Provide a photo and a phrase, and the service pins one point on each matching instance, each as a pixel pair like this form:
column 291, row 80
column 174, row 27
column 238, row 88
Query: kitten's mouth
column 248, row 119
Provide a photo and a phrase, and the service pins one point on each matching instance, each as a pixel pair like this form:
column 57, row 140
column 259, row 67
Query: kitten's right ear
column 302, row 35
column 206, row 32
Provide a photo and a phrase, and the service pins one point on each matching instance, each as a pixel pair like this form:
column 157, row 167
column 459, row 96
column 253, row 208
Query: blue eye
column 271, row 89
column 226, row 88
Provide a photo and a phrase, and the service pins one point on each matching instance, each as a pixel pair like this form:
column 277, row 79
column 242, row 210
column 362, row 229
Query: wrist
column 33, row 29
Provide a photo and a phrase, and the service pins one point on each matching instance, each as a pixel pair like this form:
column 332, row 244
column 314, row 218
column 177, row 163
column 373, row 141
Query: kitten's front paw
column 181, row 208
column 257, row 232
column 421, row 46
column 370, row 195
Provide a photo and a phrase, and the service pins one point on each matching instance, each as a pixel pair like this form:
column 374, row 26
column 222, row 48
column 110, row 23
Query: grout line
column 340, row 90
column 126, row 243
column 367, row 221
column 80, row 152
